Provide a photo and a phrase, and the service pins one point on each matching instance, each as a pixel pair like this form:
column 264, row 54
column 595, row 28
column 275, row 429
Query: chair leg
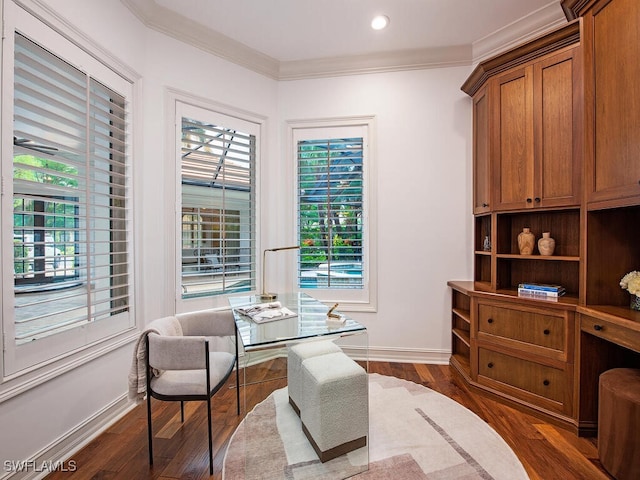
column 150, row 430
column 181, row 411
column 210, row 437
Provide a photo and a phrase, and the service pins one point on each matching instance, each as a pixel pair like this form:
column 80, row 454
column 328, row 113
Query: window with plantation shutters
column 70, row 200
column 217, row 169
column 330, row 212
column 335, row 214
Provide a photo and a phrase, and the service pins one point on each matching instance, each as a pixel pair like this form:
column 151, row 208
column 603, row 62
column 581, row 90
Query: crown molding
column 400, row 60
column 575, row 8
column 179, row 27
column 527, row 28
column 559, row 38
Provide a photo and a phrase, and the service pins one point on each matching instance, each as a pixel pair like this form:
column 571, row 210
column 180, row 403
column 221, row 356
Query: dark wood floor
column 547, row 452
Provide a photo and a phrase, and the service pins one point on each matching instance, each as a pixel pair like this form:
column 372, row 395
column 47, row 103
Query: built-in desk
column 609, row 337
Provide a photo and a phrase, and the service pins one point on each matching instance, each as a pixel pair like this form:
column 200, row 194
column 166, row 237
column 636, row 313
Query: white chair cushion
column 193, row 382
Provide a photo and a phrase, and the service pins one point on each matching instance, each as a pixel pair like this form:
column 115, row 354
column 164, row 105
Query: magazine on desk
column 266, row 312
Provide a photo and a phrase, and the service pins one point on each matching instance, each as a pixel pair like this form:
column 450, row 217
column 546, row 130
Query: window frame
column 181, row 104
column 32, row 363
column 361, row 299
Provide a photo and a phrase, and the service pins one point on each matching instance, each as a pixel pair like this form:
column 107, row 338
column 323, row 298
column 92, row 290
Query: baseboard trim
column 372, row 354
column 59, row 454
column 400, row 355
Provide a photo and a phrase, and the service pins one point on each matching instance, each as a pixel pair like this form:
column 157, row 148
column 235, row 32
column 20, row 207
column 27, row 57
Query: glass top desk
column 310, row 321
column 263, row 358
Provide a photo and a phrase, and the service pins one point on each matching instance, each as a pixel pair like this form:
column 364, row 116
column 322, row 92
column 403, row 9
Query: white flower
column 631, row 282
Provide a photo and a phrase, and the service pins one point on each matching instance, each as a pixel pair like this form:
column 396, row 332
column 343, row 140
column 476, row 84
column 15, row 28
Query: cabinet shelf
column 557, row 258
column 463, row 314
column 462, row 362
column 462, row 335
column 567, row 299
column 482, row 252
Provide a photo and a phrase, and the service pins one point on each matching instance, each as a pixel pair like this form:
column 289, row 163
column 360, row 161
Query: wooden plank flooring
column 180, row 450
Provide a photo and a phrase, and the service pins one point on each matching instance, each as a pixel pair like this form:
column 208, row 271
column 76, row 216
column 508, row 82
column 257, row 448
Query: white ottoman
column 335, row 416
column 298, row 353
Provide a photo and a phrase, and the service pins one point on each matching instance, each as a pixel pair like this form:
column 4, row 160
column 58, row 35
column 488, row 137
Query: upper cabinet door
column 538, row 140
column 513, row 139
column 481, row 154
column 558, row 130
column 612, row 67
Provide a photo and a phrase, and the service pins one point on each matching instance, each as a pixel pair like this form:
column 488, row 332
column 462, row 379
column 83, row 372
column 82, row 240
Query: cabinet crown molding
column 575, row 8
column 538, row 47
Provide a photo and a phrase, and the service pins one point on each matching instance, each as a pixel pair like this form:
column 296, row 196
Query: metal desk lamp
column 271, row 296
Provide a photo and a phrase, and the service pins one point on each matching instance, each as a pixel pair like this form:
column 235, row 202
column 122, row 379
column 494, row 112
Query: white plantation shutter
column 330, row 213
column 71, row 259
column 218, row 207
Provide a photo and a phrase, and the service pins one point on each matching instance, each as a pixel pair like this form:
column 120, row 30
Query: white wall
column 423, row 195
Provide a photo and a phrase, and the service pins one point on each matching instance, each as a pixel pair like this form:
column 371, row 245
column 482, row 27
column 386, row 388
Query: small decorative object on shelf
column 546, row 245
column 635, row 302
column 486, row 246
column 526, row 241
column 631, row 283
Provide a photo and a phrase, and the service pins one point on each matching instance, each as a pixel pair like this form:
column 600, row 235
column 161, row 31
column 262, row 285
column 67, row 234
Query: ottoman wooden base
column 335, row 451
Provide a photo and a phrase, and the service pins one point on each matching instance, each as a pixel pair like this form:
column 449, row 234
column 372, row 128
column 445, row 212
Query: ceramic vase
column 635, row 302
column 546, row 245
column 526, row 241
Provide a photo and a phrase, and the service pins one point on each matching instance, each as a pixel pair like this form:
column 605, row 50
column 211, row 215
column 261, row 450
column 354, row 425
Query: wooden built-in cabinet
column 482, row 172
column 526, row 352
column 536, row 118
column 612, row 68
column 518, row 350
column 461, row 328
column 548, row 113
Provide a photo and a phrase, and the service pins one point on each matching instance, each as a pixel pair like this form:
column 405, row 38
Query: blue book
column 543, row 287
column 539, row 293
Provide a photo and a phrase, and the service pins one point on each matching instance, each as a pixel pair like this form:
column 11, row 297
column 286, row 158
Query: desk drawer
column 611, row 332
column 526, row 376
column 541, row 328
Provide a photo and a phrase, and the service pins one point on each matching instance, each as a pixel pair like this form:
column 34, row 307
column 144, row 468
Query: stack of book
column 540, row 290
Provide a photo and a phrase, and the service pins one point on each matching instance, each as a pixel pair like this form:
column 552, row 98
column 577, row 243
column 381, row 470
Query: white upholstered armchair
column 189, row 357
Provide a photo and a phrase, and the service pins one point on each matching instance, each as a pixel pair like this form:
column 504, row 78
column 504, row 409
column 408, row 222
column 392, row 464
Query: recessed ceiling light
column 379, row 22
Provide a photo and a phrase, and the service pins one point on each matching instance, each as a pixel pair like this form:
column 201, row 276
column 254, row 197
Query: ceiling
column 288, row 39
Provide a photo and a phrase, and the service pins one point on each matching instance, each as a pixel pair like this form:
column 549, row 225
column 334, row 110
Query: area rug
column 414, row 433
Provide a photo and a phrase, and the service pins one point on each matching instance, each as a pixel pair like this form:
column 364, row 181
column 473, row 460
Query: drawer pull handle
column 547, row 331
column 490, row 365
column 546, row 383
column 490, row 320
column 598, row 327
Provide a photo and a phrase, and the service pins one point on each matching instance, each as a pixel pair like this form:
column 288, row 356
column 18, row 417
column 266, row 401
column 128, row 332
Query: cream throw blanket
column 169, row 326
